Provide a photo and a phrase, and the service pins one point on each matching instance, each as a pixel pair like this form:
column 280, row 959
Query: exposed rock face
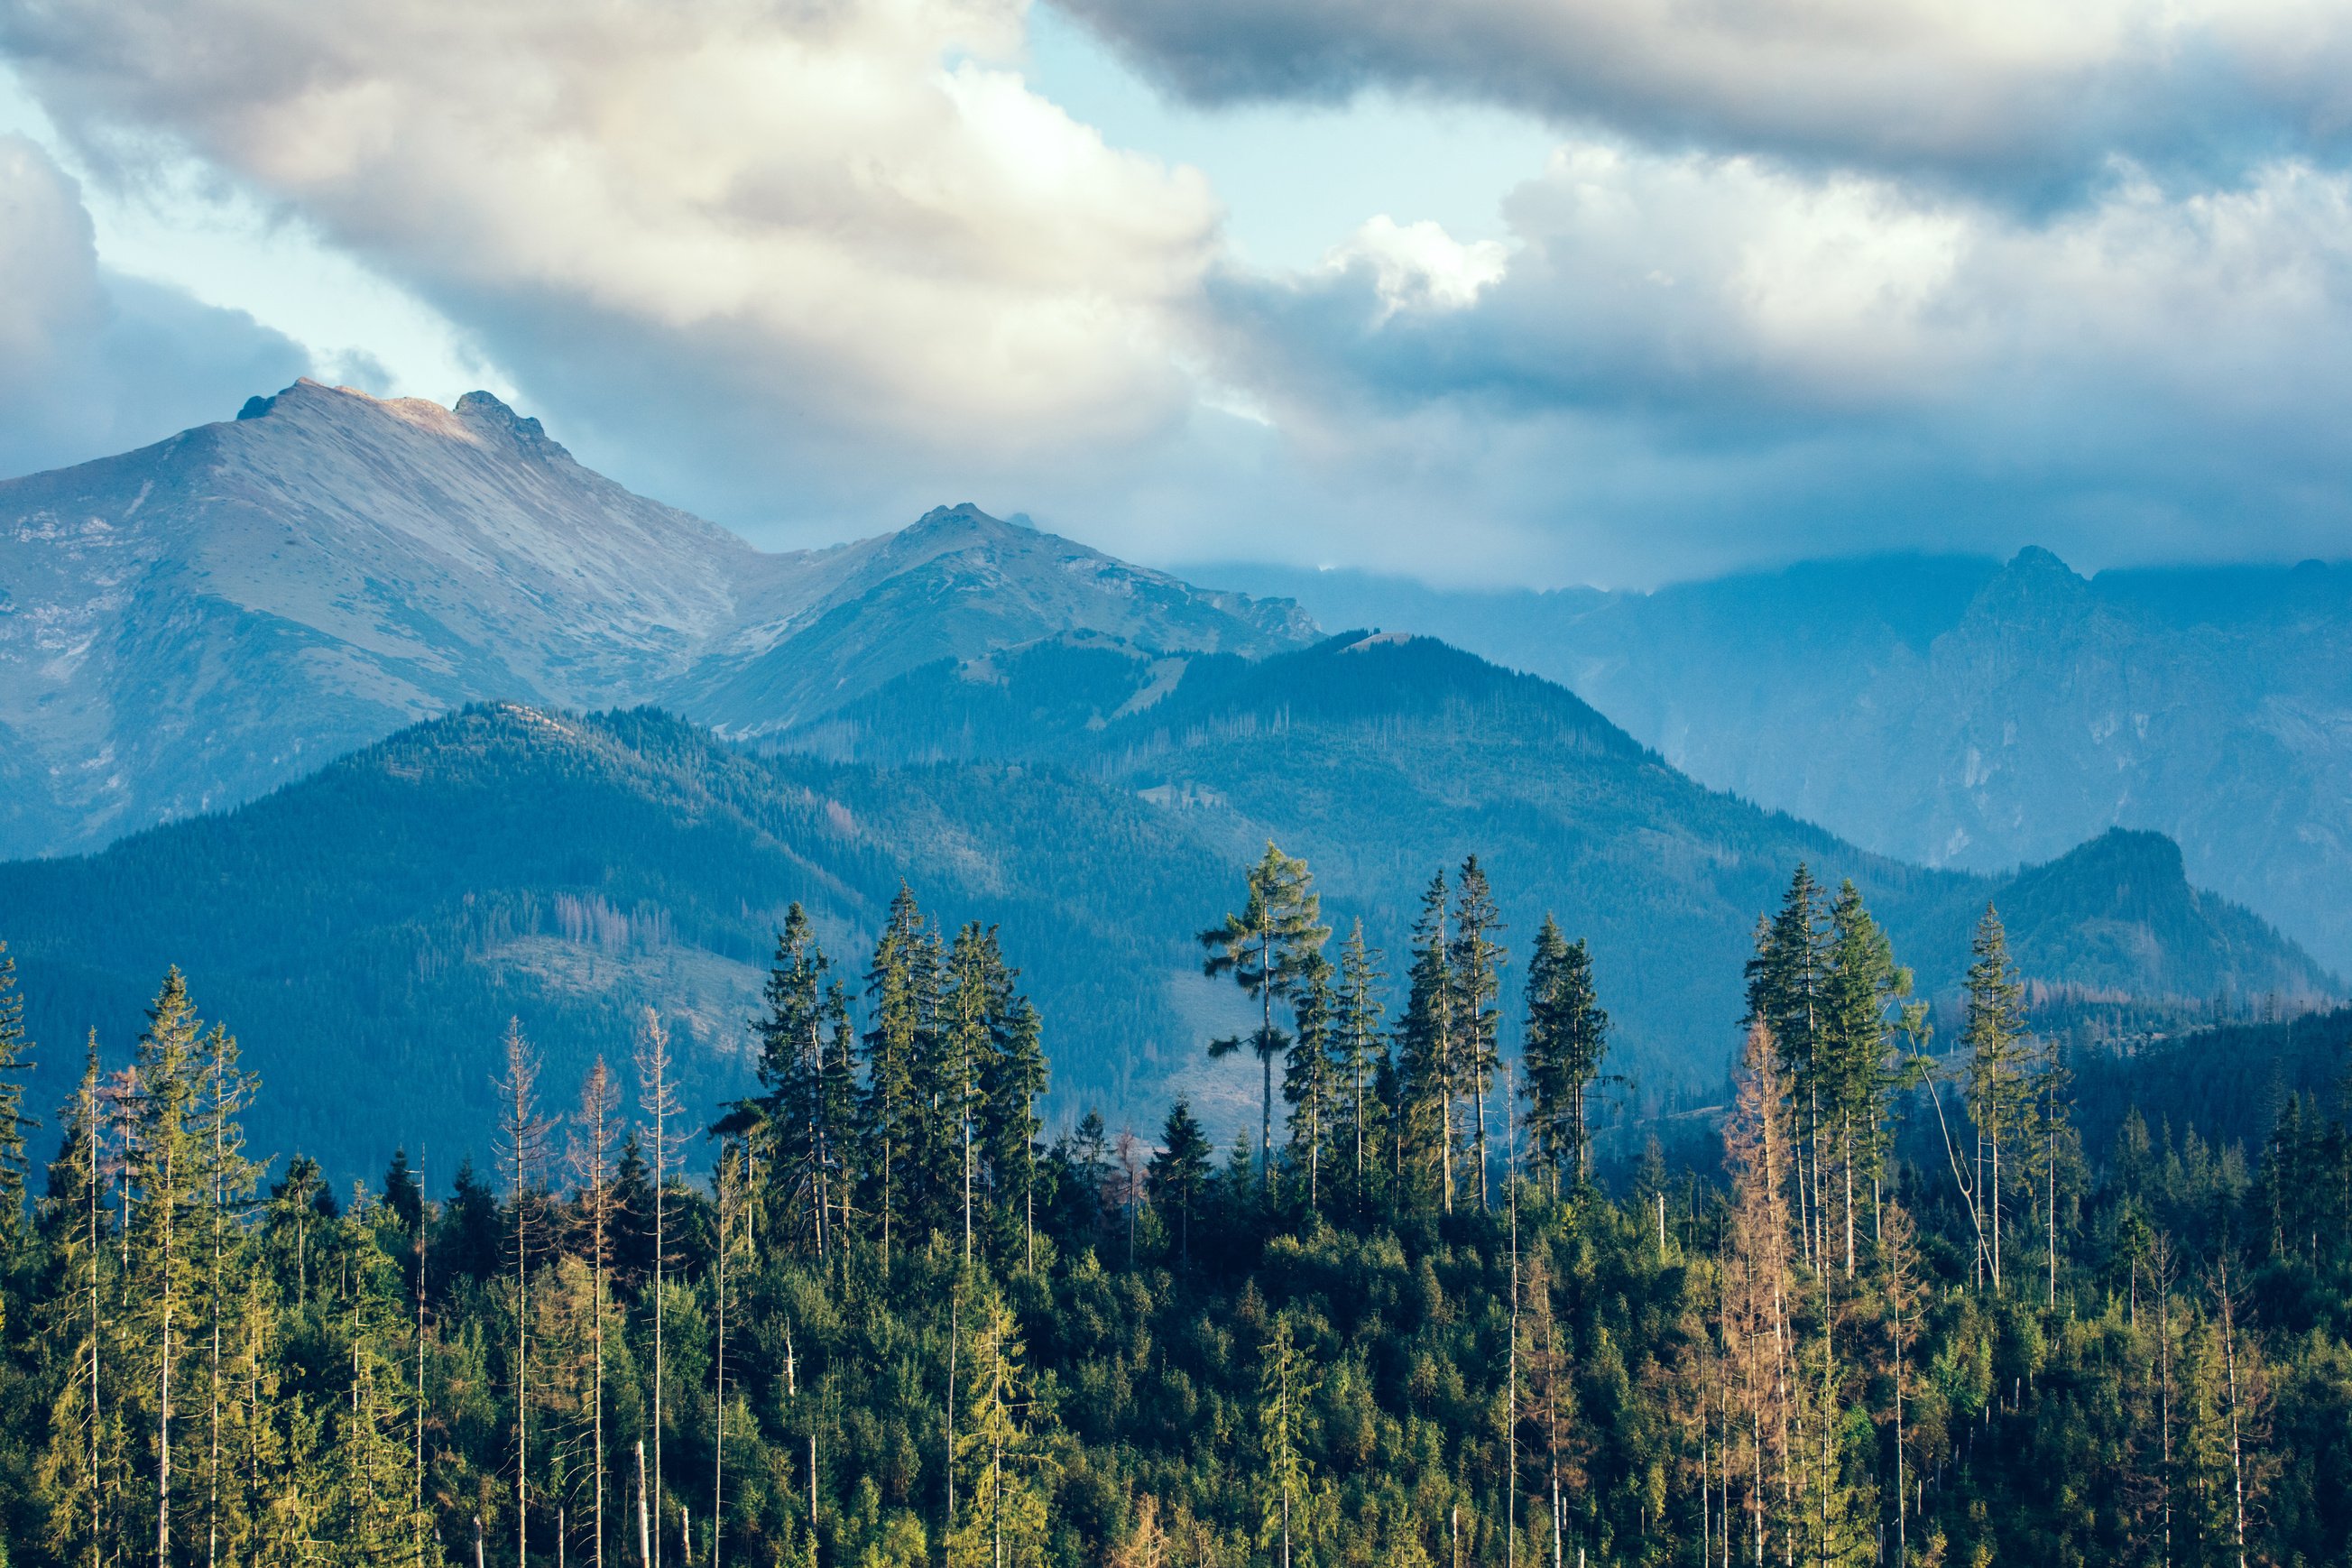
column 191, row 624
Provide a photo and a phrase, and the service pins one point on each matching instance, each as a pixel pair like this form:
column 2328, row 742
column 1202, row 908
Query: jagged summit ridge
column 201, row 620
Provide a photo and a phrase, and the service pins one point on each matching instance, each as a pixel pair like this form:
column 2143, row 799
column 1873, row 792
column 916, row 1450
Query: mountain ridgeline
column 1963, row 711
column 187, row 627
column 374, row 926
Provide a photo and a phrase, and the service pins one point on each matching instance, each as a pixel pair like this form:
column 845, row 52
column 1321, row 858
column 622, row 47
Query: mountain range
column 186, row 626
column 320, row 674
column 369, row 929
column 1966, row 711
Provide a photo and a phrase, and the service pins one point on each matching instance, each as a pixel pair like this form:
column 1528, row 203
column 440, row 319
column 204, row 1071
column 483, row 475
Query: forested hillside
column 898, row 1324
column 1965, row 711
column 375, row 926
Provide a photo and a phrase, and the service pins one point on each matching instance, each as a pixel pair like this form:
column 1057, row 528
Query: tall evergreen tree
column 973, row 1031
column 1566, row 1040
column 73, row 1471
column 1786, row 993
column 1287, row 1387
column 1264, row 949
column 996, row 1454
column 1477, row 962
column 1014, row 1083
column 1998, row 1087
column 15, row 1062
column 1179, row 1173
column 1863, row 986
column 164, row 1275
column 1428, row 1051
column 1308, row 1072
column 1358, row 1032
column 902, row 1004
column 523, row 1146
column 801, row 1118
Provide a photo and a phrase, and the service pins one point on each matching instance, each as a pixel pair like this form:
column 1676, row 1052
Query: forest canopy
column 1902, row 1315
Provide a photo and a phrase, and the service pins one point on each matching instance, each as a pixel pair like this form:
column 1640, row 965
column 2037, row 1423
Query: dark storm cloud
column 2027, row 98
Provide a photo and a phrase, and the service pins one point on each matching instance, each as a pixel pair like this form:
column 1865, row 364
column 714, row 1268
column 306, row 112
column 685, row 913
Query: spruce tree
column 1428, row 1049
column 72, row 1474
column 168, row 1173
column 1264, row 949
column 1357, row 1036
column 1998, row 1088
column 972, row 1029
column 1307, row 1073
column 795, row 1117
column 1857, row 1042
column 1287, row 1385
column 522, row 1145
column 901, row 1002
column 595, row 1126
column 1179, row 1173
column 996, row 1457
column 1016, row 1081
column 1787, row 985
column 1477, row 962
column 1566, row 1040
column 15, row 1062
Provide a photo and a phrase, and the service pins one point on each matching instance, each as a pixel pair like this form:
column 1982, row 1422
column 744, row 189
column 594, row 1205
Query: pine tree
column 1477, row 962
column 1357, row 1035
column 1996, row 1086
column 1758, row 1285
column 1566, row 1040
column 1014, row 1082
column 1428, row 1045
column 1857, row 1042
column 1179, row 1173
column 1286, row 1383
column 1307, row 1073
column 1787, row 984
column 996, row 1455
column 595, row 1126
column 1900, row 1287
column 522, row 1145
column 902, row 1004
column 15, row 1062
column 972, row 1025
column 163, row 1276
column 72, row 1473
column 798, row 1115
column 1264, row 949
column 226, row 1090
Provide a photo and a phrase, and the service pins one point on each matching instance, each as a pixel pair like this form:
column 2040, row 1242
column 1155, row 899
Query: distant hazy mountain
column 185, row 627
column 1963, row 712
column 368, row 929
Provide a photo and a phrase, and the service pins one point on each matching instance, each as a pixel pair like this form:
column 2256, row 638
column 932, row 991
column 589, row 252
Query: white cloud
column 92, row 363
column 1419, row 266
column 853, row 220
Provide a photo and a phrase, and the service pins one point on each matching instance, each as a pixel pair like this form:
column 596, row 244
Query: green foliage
column 1128, row 1356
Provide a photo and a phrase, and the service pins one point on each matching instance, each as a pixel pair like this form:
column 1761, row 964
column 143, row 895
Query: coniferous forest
column 1905, row 1312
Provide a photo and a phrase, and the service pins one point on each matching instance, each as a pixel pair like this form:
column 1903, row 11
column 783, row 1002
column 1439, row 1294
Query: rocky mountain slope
column 188, row 626
column 1966, row 713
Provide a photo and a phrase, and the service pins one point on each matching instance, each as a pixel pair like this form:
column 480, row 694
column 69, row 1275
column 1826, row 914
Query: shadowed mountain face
column 188, row 626
column 1962, row 712
column 369, row 930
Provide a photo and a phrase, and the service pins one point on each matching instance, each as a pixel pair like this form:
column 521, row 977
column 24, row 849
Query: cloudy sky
column 1491, row 290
